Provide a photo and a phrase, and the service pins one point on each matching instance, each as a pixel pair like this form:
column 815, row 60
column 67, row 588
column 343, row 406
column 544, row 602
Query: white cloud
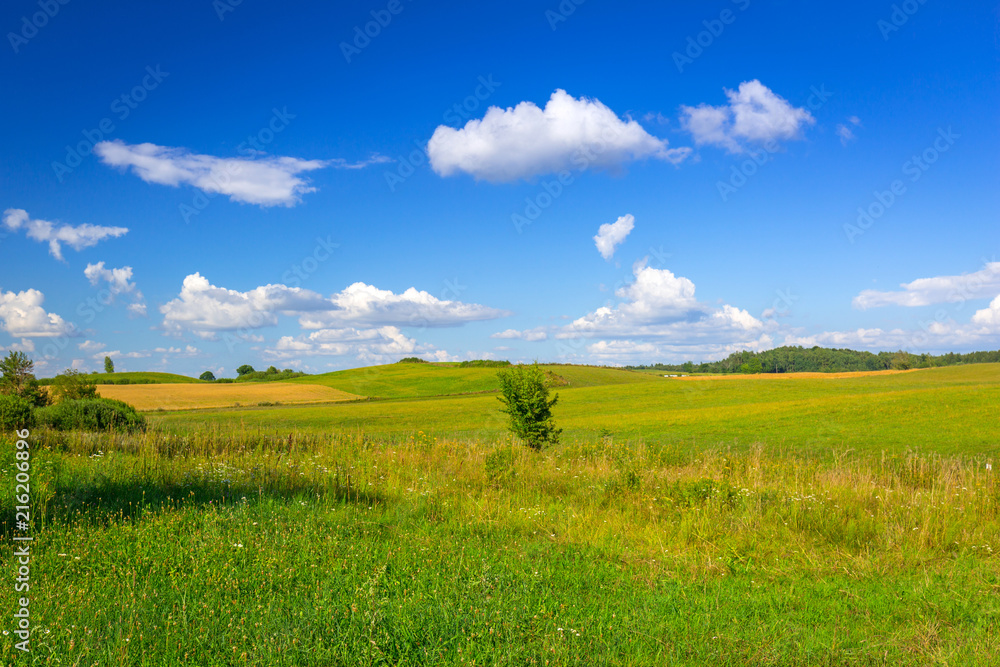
column 525, row 141
column 938, row 336
column 660, row 306
column 366, row 305
column 117, row 279
column 754, row 114
column 26, row 345
column 205, row 309
column 78, row 238
column 530, row 335
column 982, row 284
column 272, row 181
column 91, row 347
column 375, row 345
column 989, row 317
column 22, row 315
column 341, row 163
column 611, row 235
column 137, row 308
column 118, row 283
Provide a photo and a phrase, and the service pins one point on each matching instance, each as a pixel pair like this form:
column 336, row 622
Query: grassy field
column 152, row 378
column 424, row 380
column 944, row 410
column 809, row 521
column 208, row 395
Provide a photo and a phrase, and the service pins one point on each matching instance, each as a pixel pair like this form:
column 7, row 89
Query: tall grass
column 308, row 548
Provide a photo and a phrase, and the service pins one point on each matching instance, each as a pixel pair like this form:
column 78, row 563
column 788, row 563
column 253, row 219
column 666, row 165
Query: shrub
column 92, row 414
column 484, row 363
column 524, row 392
column 412, row 360
column 15, row 413
column 72, row 385
column 268, row 376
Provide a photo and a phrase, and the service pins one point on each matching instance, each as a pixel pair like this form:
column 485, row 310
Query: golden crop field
column 797, row 376
column 189, row 396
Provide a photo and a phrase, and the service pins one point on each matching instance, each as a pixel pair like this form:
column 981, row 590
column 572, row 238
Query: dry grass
column 798, row 376
column 188, row 396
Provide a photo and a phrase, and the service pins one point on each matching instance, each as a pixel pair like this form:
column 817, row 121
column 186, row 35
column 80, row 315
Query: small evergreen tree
column 109, row 365
column 524, row 392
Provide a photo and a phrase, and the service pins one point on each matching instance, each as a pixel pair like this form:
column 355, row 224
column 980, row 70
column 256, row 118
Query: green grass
column 424, row 380
column 232, row 549
column 741, row 521
column 945, row 410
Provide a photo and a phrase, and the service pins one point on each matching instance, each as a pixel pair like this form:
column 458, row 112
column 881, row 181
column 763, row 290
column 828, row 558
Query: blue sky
column 203, row 184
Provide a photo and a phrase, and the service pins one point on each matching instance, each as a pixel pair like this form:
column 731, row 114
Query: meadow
column 735, row 521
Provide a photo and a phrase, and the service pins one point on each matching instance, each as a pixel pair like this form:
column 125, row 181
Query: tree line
column 797, row 359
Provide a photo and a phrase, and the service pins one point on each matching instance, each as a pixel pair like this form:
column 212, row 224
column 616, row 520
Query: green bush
column 92, row 414
column 524, row 392
column 484, row 363
column 412, row 360
column 15, row 413
column 72, row 385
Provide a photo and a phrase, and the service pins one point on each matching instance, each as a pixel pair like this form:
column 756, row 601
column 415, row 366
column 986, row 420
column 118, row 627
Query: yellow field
column 796, row 376
column 188, row 396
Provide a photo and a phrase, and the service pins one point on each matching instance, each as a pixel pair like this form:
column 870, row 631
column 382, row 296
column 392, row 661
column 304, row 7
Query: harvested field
column 797, row 376
column 191, row 396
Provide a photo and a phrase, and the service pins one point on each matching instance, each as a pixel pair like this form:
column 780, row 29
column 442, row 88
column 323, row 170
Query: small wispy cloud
column 845, row 132
column 78, row 238
column 341, row 163
column 271, row 181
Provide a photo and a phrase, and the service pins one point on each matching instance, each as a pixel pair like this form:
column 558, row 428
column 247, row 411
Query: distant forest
column 823, row 360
